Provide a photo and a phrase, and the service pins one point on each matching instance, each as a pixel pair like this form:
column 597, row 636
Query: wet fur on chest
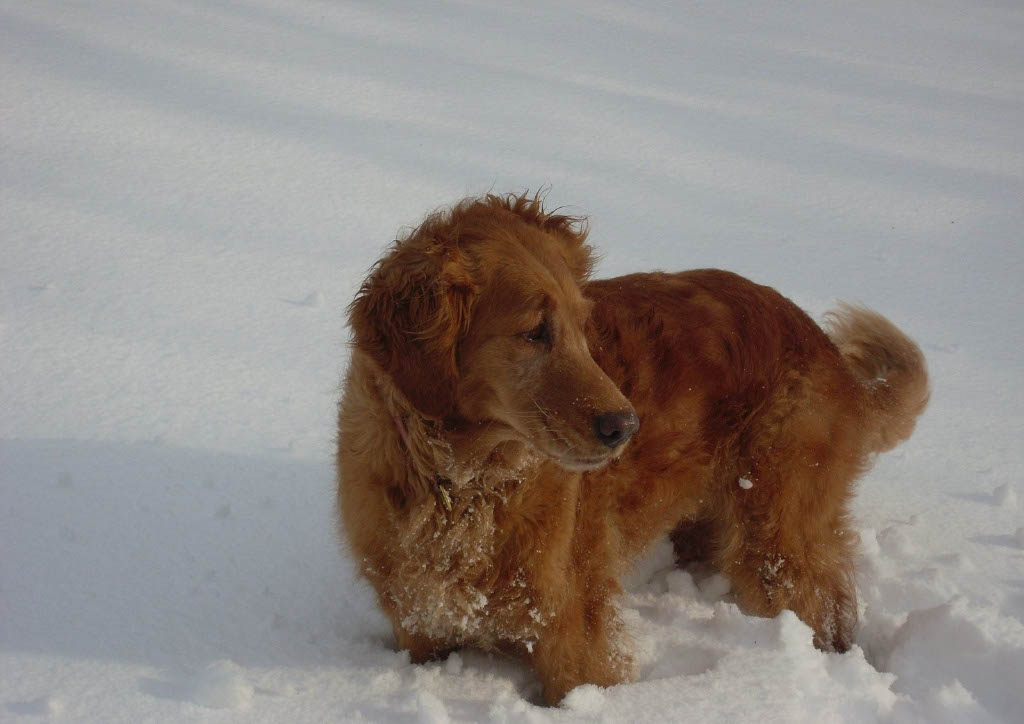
column 454, row 551
column 459, row 576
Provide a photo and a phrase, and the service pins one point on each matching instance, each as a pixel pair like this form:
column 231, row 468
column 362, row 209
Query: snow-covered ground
column 192, row 189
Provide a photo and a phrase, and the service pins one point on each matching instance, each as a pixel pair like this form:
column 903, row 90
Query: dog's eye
column 539, row 333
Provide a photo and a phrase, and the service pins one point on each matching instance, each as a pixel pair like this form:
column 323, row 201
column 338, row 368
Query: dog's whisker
column 570, row 447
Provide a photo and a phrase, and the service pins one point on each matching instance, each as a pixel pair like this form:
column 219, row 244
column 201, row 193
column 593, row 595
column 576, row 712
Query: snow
column 586, row 699
column 221, row 685
column 1005, row 495
column 957, row 643
column 192, row 191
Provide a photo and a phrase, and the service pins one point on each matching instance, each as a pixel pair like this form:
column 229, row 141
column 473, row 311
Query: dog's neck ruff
column 438, row 462
column 441, row 485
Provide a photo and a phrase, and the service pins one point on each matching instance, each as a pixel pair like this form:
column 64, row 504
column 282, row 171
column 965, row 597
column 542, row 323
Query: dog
column 513, row 434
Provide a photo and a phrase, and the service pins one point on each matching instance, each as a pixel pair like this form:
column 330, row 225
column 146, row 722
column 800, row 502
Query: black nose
column 614, row 428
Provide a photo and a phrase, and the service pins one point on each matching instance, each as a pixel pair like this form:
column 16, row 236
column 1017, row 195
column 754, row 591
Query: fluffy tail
column 890, row 367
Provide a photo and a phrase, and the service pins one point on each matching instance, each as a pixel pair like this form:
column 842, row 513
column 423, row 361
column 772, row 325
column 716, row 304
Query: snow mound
column 48, row 706
column 587, row 699
column 894, row 541
column 221, row 685
column 430, row 709
column 958, row 644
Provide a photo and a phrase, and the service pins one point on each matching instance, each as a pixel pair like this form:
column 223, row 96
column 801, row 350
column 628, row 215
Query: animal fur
column 486, row 486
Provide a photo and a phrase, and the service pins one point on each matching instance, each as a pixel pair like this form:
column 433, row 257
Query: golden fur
column 486, row 486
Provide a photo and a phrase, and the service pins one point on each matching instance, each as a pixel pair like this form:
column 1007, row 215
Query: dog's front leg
column 421, row 648
column 582, row 645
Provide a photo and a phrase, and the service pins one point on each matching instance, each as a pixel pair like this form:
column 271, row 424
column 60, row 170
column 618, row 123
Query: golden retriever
column 512, row 435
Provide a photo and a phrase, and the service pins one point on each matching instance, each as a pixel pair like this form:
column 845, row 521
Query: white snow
column 46, row 705
column 221, row 685
column 431, row 710
column 587, row 699
column 680, row 582
column 1005, row 495
column 714, row 586
column 192, row 191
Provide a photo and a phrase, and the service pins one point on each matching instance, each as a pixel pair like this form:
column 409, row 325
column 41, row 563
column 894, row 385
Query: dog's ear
column 409, row 315
column 571, row 230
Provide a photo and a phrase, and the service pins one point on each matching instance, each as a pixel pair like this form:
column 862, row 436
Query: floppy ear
column 571, row 230
column 409, row 315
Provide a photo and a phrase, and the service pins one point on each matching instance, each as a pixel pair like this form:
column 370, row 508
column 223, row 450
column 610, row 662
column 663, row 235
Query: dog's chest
column 457, row 578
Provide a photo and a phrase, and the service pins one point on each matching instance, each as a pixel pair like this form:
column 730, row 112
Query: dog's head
column 478, row 317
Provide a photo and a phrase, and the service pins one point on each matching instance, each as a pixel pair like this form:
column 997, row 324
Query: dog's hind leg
column 784, row 538
column 810, row 574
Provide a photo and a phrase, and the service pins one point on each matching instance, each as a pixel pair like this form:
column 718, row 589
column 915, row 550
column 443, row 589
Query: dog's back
column 755, row 423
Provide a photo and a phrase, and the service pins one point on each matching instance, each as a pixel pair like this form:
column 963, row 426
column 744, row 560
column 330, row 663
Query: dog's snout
column 614, row 428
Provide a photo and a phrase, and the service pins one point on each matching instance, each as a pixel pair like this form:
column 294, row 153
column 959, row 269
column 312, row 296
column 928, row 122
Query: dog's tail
column 890, row 368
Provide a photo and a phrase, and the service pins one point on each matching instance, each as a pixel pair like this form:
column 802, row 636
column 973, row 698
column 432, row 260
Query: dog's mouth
column 576, row 460
column 582, row 464
column 561, row 449
column 555, row 449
